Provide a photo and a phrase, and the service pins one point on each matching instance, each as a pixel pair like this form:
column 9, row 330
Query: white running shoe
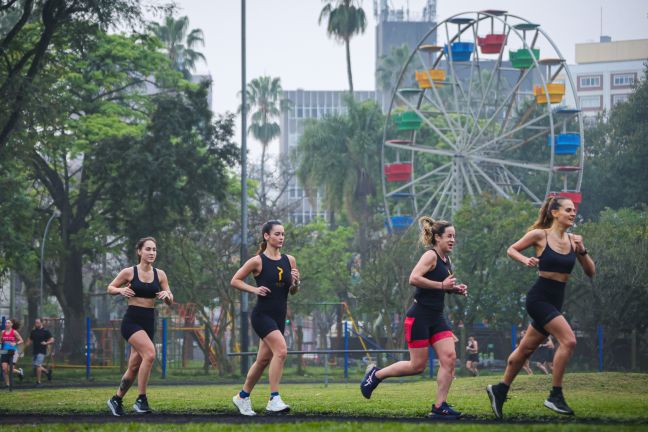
column 244, row 406
column 276, row 405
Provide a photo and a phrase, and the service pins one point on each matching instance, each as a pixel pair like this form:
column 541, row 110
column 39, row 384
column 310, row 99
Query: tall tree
column 265, row 103
column 28, row 30
column 116, row 161
column 618, row 242
column 179, row 42
column 341, row 154
column 496, row 283
column 344, row 19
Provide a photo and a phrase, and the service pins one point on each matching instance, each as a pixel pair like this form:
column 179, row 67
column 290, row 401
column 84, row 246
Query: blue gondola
column 399, row 223
column 566, row 143
column 459, row 51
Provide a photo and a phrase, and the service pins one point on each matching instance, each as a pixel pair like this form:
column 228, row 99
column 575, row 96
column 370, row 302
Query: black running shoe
column 498, row 395
column 370, row 382
column 116, row 407
column 49, row 374
column 21, row 374
column 444, row 412
column 141, row 405
column 557, row 403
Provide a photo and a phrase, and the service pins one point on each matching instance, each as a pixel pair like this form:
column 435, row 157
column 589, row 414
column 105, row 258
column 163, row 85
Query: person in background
column 473, row 356
column 42, row 339
column 10, row 341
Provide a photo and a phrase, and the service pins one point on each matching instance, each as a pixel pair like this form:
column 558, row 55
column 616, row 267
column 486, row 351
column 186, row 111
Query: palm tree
column 344, row 20
column 266, row 105
column 341, row 155
column 390, row 66
column 180, row 44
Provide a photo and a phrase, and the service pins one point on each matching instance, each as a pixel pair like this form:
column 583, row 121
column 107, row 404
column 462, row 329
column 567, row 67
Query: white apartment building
column 605, row 73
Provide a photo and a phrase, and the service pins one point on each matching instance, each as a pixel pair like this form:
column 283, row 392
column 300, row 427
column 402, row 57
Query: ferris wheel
column 482, row 112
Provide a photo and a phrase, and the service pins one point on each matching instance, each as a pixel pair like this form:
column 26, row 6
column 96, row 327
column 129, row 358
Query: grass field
column 602, row 401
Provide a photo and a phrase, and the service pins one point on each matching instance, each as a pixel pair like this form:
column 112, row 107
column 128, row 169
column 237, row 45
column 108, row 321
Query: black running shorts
column 7, row 358
column 138, row 318
column 544, row 302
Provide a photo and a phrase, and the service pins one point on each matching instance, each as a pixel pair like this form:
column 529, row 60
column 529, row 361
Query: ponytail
column 262, row 246
column 545, row 218
column 430, row 228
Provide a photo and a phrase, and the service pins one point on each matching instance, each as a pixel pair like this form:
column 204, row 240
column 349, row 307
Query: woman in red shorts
column 425, row 323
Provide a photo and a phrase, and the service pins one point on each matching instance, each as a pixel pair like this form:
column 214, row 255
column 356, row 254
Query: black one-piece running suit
column 269, row 313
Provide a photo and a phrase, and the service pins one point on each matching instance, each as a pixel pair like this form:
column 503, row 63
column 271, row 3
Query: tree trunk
column 32, row 307
column 74, row 340
column 263, row 184
column 348, row 59
column 332, row 220
column 33, row 295
column 299, row 339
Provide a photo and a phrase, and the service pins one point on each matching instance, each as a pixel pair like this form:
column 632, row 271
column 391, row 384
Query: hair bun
column 426, row 219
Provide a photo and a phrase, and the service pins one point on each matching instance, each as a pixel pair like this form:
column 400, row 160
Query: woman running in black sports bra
column 138, row 324
column 556, row 253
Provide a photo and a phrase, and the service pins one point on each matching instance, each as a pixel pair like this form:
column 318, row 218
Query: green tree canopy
column 28, row 30
column 124, row 148
column 617, row 155
column 617, row 296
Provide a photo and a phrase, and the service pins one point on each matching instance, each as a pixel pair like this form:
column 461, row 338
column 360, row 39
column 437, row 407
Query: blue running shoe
column 444, row 412
column 370, row 381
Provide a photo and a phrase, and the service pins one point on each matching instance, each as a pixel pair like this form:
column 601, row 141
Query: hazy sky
column 285, row 40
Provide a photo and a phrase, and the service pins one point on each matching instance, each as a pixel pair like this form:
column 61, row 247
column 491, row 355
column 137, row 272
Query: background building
column 605, row 73
column 308, row 105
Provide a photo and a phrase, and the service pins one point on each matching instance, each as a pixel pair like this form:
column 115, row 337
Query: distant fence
column 187, row 349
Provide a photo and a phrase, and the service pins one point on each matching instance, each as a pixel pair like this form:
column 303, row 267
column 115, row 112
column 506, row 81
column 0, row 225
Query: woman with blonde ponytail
column 276, row 275
column 425, row 323
column 556, row 253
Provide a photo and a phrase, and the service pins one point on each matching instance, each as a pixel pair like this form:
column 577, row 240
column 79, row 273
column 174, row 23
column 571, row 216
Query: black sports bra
column 552, row 261
column 145, row 289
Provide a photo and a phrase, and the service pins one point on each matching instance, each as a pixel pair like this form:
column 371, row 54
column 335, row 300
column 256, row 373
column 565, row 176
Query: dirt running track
column 264, row 419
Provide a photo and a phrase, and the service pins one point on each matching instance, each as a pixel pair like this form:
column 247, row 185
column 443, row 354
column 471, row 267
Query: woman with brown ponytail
column 142, row 285
column 556, row 253
column 425, row 323
column 276, row 275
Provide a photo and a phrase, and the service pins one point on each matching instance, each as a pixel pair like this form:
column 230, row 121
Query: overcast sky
column 284, row 39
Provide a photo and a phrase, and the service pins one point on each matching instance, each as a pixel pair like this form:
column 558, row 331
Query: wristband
column 583, row 253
